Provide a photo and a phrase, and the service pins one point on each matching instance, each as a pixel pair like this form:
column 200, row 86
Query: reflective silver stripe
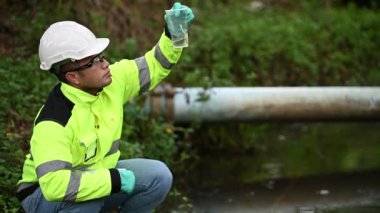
column 144, row 74
column 114, row 148
column 51, row 166
column 24, row 186
column 73, row 187
column 161, row 58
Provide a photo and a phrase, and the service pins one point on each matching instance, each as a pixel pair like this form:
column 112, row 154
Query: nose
column 105, row 64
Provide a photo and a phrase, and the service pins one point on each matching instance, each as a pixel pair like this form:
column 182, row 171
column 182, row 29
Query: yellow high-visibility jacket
column 75, row 142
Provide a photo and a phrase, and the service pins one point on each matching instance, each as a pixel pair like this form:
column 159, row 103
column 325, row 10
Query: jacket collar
column 78, row 96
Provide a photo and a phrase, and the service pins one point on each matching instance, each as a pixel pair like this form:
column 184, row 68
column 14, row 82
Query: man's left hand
column 189, row 12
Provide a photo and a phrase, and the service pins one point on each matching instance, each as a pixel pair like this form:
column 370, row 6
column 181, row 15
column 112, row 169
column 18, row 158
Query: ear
column 72, row 78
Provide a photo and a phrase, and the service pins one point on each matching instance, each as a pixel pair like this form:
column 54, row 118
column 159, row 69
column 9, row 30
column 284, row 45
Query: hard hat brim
column 99, row 46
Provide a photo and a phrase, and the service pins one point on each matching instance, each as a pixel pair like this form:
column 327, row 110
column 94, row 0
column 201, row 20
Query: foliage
column 233, row 138
column 271, row 47
column 152, row 138
column 10, row 168
column 21, row 100
column 306, row 44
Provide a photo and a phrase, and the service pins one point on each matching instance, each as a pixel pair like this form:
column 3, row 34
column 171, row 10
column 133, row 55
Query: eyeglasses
column 94, row 60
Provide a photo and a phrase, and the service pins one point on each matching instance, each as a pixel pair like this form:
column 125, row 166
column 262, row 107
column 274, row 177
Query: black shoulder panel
column 57, row 108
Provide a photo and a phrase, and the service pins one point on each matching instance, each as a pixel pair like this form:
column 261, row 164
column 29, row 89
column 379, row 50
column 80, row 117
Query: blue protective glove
column 127, row 180
column 189, row 13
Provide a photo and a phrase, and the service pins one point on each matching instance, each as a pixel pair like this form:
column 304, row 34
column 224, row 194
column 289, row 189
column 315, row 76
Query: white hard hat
column 68, row 40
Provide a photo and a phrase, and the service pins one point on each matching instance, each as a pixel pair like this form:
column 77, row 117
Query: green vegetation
column 231, row 44
column 273, row 47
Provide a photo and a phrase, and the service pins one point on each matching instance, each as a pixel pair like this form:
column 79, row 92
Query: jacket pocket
column 89, row 142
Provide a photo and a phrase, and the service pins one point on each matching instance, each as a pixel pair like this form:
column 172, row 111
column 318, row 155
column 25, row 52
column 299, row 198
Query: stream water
column 308, row 168
column 348, row 192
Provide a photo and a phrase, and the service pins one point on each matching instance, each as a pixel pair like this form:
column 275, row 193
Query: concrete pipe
column 265, row 104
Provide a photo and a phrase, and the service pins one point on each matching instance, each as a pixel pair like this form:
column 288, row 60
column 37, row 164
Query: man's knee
column 163, row 175
column 151, row 175
column 159, row 179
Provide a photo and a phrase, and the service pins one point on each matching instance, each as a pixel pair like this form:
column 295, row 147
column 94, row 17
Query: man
column 73, row 162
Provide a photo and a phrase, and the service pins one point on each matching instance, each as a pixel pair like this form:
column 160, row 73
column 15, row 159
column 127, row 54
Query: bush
column 230, row 45
column 313, row 46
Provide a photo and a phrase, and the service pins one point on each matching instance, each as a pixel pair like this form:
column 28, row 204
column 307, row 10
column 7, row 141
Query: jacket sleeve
column 50, row 148
column 134, row 77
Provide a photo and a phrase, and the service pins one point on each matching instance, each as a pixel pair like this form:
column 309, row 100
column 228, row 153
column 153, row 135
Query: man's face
column 92, row 74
